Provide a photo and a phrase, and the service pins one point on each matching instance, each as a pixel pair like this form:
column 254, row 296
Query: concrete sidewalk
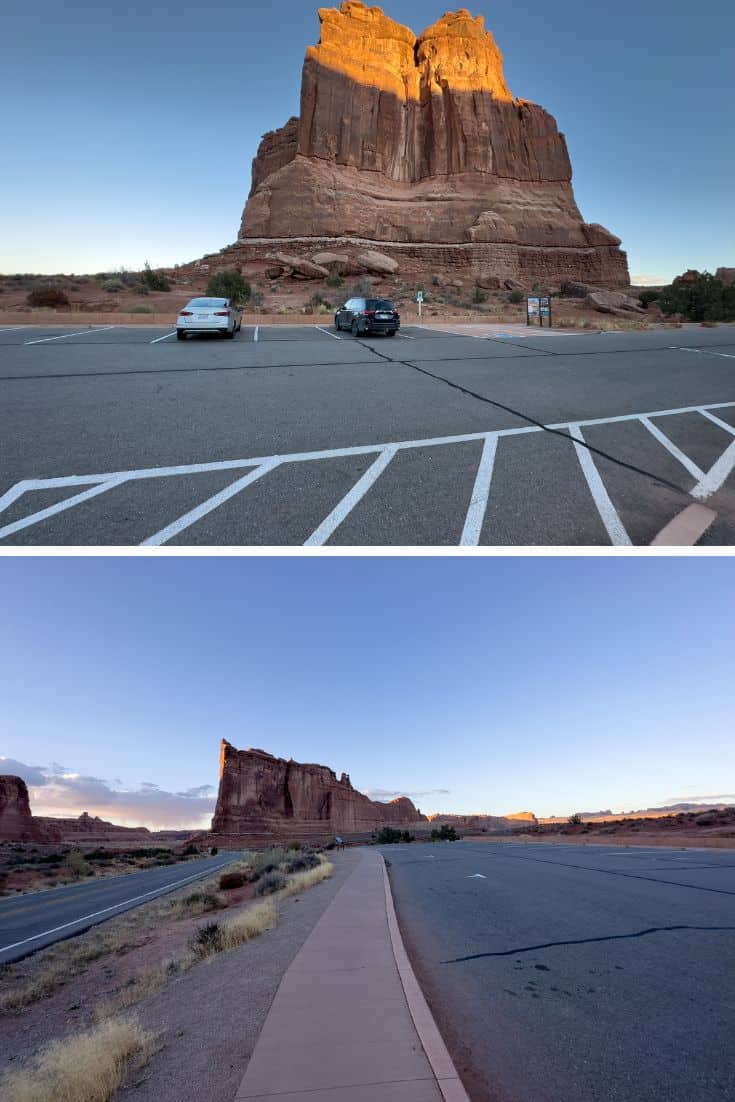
column 344, row 1025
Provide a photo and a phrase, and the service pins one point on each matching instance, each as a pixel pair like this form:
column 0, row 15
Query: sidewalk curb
column 436, row 1051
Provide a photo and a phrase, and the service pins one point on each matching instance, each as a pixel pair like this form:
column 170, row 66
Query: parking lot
column 293, row 435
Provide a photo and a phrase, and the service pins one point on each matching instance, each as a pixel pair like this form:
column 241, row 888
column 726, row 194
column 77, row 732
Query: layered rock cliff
column 262, row 795
column 16, row 821
column 418, row 142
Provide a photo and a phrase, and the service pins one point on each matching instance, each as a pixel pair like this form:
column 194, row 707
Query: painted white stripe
column 13, row 328
column 353, row 498
column 480, row 495
column 637, row 416
column 61, row 506
column 406, row 337
column 209, row 506
column 79, row 333
column 256, row 334
column 332, row 335
column 716, row 476
column 716, row 420
column 707, row 352
column 613, row 524
column 126, row 903
column 671, row 447
column 159, row 339
column 13, row 494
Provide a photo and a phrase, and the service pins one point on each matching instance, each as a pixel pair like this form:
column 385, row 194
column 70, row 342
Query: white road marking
column 707, row 352
column 406, row 337
column 13, row 328
column 116, row 907
column 332, row 335
column 61, row 506
column 477, row 876
column 256, row 334
column 671, row 447
column 79, row 333
column 613, row 524
column 348, row 503
column 159, row 339
column 209, row 506
column 480, row 495
column 716, row 476
column 717, row 421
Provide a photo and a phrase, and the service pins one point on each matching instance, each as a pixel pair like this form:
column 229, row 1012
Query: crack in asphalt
column 590, row 941
column 657, row 479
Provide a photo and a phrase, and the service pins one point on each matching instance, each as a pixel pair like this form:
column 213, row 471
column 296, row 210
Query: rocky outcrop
column 17, row 824
column 261, row 796
column 485, row 824
column 727, row 275
column 613, row 302
column 418, row 141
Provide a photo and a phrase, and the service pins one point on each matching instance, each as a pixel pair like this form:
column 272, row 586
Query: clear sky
column 474, row 685
column 129, row 129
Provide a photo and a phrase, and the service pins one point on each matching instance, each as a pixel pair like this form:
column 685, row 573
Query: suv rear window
column 380, row 304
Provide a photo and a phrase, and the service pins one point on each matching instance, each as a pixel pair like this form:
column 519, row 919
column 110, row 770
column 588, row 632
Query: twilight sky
column 475, row 685
column 129, row 129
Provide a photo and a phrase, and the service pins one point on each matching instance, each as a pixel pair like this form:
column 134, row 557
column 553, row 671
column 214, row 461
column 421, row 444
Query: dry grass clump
column 301, row 881
column 147, row 983
column 86, row 1067
column 218, row 937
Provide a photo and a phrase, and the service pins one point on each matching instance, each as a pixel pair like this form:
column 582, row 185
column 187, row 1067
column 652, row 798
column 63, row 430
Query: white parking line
column 406, row 337
column 13, row 328
column 61, row 506
column 348, row 503
column 716, row 420
column 332, row 335
column 106, row 910
column 671, row 447
column 209, row 506
column 159, row 339
column 606, row 509
column 79, row 333
column 480, row 495
column 256, row 333
column 717, row 476
column 706, row 352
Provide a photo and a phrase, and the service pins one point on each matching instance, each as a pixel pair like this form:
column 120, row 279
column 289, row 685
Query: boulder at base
column 613, row 302
column 378, row 263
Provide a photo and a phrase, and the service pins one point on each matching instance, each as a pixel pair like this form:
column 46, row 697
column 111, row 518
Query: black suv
column 368, row 315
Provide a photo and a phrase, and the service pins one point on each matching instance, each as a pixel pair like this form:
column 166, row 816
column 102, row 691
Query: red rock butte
column 263, row 798
column 416, row 145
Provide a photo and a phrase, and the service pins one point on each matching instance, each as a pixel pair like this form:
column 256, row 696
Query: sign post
column 420, row 300
column 539, row 307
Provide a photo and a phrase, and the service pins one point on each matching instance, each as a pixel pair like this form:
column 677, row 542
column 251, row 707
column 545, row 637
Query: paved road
column 33, row 921
column 569, row 972
column 126, row 436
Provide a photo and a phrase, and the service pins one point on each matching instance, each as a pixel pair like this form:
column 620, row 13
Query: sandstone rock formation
column 416, row 145
column 727, row 275
column 262, row 797
column 16, row 821
column 613, row 302
column 485, row 824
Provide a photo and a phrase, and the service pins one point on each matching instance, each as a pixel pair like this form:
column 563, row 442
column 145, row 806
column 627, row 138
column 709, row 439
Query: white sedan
column 209, row 315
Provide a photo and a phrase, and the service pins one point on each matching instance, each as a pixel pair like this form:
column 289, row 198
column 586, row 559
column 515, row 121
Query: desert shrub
column 316, row 301
column 702, row 299
column 250, row 923
column 335, row 280
column 190, row 850
column 154, row 281
column 445, row 834
column 76, row 865
column 267, row 861
column 270, row 883
column 389, row 837
column 113, row 286
column 515, row 297
column 647, row 297
column 146, row 309
column 228, row 284
column 214, row 851
column 300, row 862
column 302, row 881
column 257, row 298
column 200, row 902
column 296, row 846
column 207, row 940
column 478, row 296
column 50, row 297
column 228, row 881
column 575, row 820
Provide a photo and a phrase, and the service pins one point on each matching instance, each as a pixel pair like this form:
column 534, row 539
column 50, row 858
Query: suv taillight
column 368, row 314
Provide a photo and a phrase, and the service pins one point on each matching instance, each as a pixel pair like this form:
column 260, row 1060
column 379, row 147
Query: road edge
column 437, row 1054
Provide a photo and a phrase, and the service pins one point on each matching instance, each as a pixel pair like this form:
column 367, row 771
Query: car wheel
column 180, row 334
column 229, row 334
column 391, row 332
column 355, row 329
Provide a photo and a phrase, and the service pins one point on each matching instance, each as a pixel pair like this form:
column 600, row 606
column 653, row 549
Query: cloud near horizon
column 382, row 795
column 59, row 792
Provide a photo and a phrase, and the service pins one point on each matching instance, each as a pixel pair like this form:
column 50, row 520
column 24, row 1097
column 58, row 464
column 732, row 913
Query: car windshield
column 379, row 304
column 208, row 302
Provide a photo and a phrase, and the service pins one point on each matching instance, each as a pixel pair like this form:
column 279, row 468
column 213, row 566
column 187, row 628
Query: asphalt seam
column 591, row 941
column 657, row 479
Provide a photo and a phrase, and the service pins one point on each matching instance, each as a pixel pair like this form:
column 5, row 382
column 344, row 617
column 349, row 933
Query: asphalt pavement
column 299, row 435
column 38, row 919
column 596, row 973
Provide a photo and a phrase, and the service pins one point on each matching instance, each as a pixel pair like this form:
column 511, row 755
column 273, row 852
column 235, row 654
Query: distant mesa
column 415, row 147
column 17, row 824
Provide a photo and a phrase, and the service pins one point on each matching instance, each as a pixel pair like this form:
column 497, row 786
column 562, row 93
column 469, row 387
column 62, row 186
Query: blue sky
column 129, row 129
column 495, row 685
